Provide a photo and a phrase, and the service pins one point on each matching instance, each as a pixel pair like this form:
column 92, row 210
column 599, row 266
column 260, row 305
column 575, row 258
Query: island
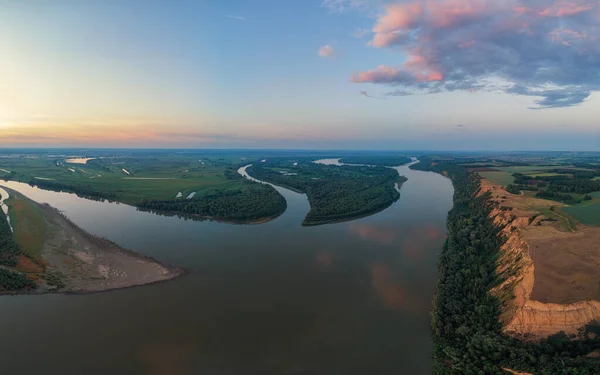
column 335, row 193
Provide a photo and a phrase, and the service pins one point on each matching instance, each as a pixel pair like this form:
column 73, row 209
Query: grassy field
column 588, row 214
column 498, row 178
column 29, row 226
column 130, row 178
column 596, row 178
column 548, row 175
column 527, row 169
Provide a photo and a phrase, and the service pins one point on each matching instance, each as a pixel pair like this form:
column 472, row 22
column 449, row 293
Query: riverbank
column 467, row 315
column 67, row 259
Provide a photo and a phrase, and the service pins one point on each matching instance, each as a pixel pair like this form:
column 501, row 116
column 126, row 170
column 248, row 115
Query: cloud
column 364, row 93
column 239, row 18
column 326, row 51
column 340, row 6
column 541, row 48
column 459, row 125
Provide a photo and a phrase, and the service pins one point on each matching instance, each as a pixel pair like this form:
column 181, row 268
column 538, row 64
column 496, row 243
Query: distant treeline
column 9, row 251
column 335, row 193
column 249, row 201
column 559, row 187
column 468, row 333
column 382, row 160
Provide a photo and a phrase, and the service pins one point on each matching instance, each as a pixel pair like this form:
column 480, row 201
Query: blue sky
column 156, row 73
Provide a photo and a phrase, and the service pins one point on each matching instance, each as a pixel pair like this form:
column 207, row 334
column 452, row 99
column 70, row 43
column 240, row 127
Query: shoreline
column 85, row 263
column 198, row 217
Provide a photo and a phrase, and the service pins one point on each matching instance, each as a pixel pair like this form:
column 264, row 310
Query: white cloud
column 239, row 18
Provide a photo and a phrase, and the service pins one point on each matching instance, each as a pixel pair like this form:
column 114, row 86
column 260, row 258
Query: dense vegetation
column 247, row 202
column 82, row 190
column 382, row 160
column 335, row 193
column 465, row 320
column 12, row 281
column 558, row 185
column 9, row 250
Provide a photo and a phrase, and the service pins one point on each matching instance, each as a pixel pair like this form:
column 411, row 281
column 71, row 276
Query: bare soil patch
column 567, row 265
column 93, row 264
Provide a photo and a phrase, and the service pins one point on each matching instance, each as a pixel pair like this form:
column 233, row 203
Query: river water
column 276, row 298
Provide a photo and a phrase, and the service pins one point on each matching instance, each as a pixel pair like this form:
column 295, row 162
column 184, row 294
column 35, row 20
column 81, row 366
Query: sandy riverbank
column 86, row 263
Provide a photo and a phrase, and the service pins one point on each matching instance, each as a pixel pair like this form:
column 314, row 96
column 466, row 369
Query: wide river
column 276, row 298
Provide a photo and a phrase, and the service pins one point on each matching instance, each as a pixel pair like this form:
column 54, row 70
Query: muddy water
column 276, row 298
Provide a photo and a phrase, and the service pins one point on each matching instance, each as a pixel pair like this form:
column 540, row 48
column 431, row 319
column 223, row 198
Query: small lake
column 276, row 298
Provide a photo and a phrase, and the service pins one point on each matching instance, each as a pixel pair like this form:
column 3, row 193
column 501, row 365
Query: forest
column 382, row 160
column 246, row 202
column 9, row 250
column 81, row 190
column 467, row 332
column 335, row 193
column 559, row 187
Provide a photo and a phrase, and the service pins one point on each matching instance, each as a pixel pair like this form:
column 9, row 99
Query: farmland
column 140, row 179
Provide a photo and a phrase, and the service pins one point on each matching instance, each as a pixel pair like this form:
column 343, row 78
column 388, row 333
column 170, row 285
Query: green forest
column 244, row 202
column 560, row 185
column 10, row 280
column 465, row 321
column 335, row 193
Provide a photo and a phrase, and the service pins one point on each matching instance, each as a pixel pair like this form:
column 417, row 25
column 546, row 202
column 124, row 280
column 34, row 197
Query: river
column 276, row 298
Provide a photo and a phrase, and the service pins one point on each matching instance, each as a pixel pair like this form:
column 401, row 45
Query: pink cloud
column 446, row 13
column 379, row 74
column 326, row 51
column 566, row 8
column 453, row 45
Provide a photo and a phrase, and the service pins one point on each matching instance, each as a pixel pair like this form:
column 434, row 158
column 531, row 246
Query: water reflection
column 275, row 298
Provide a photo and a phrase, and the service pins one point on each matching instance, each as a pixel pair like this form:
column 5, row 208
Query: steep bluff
column 521, row 316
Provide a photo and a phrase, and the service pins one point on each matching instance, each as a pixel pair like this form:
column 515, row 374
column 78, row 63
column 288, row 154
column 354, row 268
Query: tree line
column 382, row 160
column 9, row 251
column 246, row 201
column 81, row 190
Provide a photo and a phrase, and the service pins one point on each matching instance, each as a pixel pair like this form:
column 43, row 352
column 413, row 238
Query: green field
column 547, row 175
column 150, row 177
column 596, row 178
column 498, row 178
column 528, row 169
column 156, row 180
column 588, row 214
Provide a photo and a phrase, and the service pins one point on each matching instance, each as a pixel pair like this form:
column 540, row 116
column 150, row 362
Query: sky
column 323, row 74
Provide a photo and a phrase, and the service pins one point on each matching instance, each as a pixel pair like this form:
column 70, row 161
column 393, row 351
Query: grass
column 527, row 169
column 566, row 221
column 547, row 174
column 29, row 225
column 177, row 172
column 596, row 178
column 498, row 178
column 588, row 214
